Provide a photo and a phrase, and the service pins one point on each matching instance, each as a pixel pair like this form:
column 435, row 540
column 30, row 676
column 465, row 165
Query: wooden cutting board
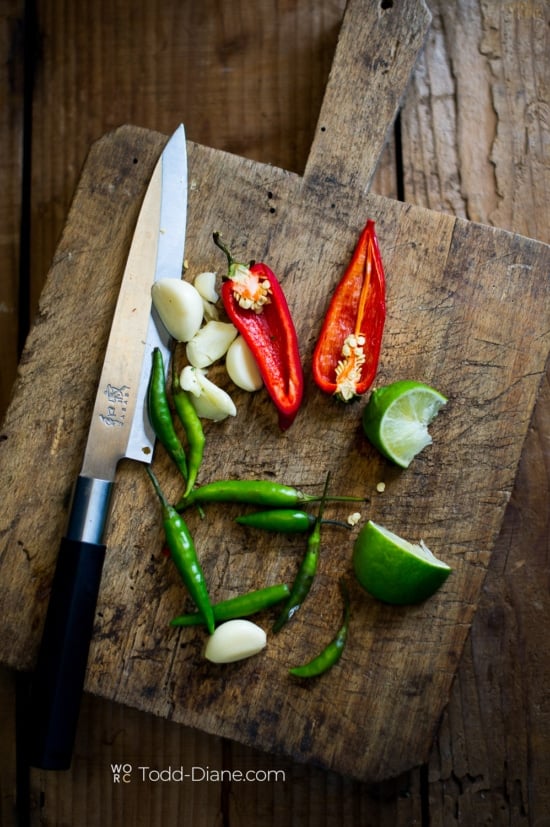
column 468, row 311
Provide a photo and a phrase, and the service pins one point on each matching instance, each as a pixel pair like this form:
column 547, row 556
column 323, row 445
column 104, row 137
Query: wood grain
column 11, row 169
column 240, row 85
column 491, row 756
column 377, row 49
column 448, row 321
column 491, row 760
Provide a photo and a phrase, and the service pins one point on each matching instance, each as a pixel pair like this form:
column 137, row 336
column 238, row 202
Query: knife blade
column 119, row 429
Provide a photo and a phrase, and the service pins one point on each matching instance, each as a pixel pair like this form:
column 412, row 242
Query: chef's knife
column 119, row 428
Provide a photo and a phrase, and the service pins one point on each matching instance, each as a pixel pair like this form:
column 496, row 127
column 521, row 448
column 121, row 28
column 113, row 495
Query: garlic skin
column 179, row 306
column 242, row 367
column 210, row 343
column 235, row 640
column 209, row 401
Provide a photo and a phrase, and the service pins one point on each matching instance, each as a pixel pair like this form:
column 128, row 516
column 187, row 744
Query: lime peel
column 394, row 570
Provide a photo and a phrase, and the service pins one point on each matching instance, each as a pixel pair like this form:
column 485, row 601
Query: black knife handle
column 58, row 681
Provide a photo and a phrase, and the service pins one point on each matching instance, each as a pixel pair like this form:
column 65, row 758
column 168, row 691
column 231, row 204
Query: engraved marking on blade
column 117, row 397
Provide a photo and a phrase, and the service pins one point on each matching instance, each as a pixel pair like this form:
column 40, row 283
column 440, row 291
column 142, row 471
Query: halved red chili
column 346, row 355
column 256, row 304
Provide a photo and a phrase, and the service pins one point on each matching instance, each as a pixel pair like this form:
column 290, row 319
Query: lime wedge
column 394, row 570
column 396, row 419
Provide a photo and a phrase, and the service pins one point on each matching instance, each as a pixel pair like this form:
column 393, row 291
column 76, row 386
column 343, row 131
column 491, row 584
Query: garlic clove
column 210, row 311
column 205, row 283
column 210, row 343
column 235, row 640
column 242, row 367
column 209, row 401
column 179, row 306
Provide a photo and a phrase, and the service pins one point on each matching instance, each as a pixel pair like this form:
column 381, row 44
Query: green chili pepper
column 332, row 653
column 284, row 521
column 235, row 607
column 160, row 414
column 253, row 492
column 183, row 553
column 193, row 430
column 308, row 568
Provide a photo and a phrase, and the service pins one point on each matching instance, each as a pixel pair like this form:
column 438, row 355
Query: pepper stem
column 338, row 523
column 323, row 501
column 314, row 498
column 219, row 243
column 157, row 488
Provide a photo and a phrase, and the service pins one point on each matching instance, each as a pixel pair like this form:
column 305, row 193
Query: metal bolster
column 89, row 510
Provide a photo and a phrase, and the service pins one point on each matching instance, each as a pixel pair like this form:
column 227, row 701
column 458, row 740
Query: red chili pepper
column 255, row 303
column 346, row 355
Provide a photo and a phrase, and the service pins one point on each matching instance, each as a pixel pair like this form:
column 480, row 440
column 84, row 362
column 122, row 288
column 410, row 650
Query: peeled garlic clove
column 189, row 380
column 210, row 343
column 242, row 367
column 179, row 306
column 205, row 283
column 235, row 640
column 209, row 401
column 215, row 404
column 210, row 311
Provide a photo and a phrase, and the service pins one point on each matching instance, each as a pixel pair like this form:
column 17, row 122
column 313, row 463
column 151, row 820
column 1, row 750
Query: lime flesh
column 394, row 570
column 396, row 419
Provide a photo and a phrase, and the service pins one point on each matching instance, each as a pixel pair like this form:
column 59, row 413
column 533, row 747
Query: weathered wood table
column 489, row 761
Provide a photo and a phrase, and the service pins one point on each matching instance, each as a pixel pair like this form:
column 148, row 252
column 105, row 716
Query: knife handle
column 58, row 681
column 57, row 684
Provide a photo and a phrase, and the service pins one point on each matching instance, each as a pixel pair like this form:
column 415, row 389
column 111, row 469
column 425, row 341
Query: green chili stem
column 243, row 605
column 158, row 490
column 319, row 520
